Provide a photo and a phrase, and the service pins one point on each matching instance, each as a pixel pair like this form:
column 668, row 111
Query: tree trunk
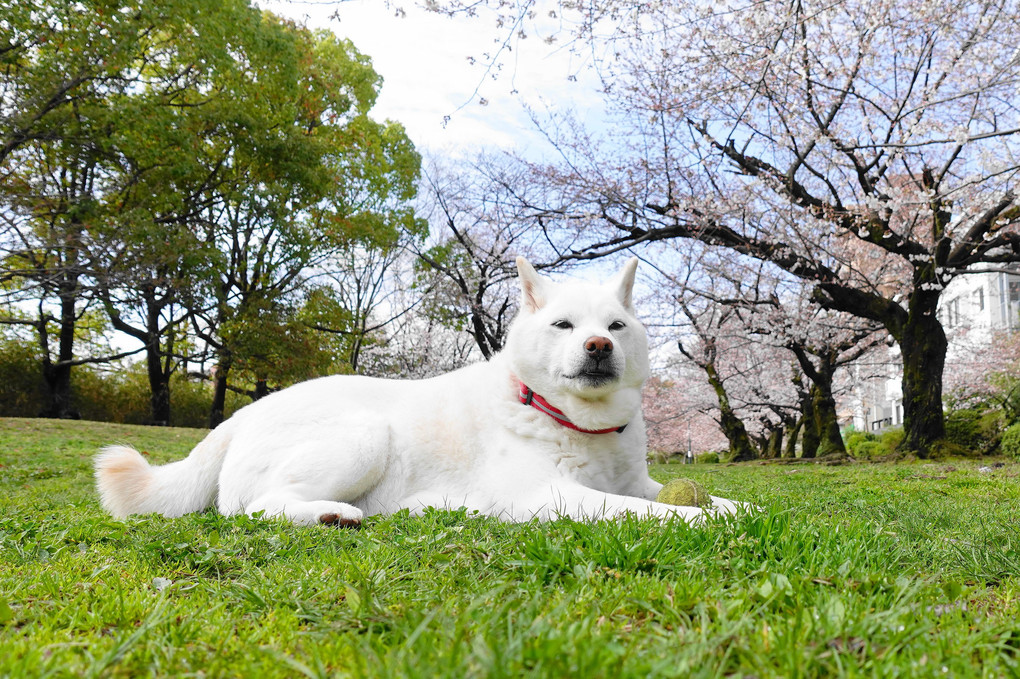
column 58, row 391
column 819, row 405
column 57, row 374
column 159, row 375
column 923, row 346
column 809, row 438
column 261, row 390
column 826, row 422
column 219, row 402
column 774, row 445
column 733, row 428
column 478, row 332
column 793, row 432
column 159, row 388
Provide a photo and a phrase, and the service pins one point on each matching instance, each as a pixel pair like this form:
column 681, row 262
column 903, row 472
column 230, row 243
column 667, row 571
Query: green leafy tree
column 88, row 91
column 206, row 159
column 338, row 182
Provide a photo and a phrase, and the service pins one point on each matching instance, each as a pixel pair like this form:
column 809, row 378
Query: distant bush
column 891, row 439
column 854, row 440
column 708, row 458
column 662, row 457
column 869, row 450
column 123, row 396
column 976, row 431
column 101, row 393
column 22, row 392
column 867, row 446
column 944, row 448
column 1010, row 443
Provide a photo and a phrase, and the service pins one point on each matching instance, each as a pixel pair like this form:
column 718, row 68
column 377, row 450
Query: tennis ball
column 684, row 493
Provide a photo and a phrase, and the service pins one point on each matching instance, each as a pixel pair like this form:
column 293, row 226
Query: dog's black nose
column 598, row 347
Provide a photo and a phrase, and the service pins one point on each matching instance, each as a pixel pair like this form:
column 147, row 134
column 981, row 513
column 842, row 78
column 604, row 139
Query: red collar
column 530, row 398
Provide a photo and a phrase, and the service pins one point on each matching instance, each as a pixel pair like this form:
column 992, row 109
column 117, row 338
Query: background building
column 974, row 307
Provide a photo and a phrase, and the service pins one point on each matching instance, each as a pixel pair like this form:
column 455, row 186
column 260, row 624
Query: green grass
column 865, row 570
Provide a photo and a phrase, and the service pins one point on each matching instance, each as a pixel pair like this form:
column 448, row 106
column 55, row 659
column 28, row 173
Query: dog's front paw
column 722, row 506
column 339, row 520
column 326, row 513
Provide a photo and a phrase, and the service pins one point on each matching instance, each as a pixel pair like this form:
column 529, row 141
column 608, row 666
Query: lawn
column 878, row 570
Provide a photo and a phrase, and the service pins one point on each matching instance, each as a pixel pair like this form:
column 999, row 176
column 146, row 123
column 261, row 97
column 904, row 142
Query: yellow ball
column 684, row 493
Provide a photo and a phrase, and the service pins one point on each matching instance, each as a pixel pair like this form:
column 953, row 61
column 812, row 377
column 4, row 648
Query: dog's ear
column 533, row 286
column 623, row 283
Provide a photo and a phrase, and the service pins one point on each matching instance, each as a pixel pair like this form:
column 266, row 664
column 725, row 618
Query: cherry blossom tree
column 479, row 229
column 836, row 141
column 985, row 370
column 748, row 377
column 679, row 409
column 704, row 353
column 779, row 351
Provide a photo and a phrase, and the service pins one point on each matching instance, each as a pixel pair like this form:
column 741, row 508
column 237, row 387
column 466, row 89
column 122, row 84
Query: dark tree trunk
column 159, row 404
column 159, row 388
column 59, row 401
column 790, row 450
column 261, row 390
column 830, row 440
column 923, row 346
column 774, row 445
column 159, row 358
column 158, row 371
column 809, row 432
column 57, row 374
column 481, row 337
column 219, row 402
column 819, row 405
column 732, row 426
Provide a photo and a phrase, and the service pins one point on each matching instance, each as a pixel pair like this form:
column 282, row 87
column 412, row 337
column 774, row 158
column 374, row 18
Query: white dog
column 549, row 427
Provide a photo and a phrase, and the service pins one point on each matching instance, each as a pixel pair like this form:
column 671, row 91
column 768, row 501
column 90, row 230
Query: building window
column 979, row 299
column 953, row 312
column 1014, row 291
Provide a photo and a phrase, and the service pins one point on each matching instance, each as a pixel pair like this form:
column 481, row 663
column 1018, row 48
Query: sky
column 433, row 89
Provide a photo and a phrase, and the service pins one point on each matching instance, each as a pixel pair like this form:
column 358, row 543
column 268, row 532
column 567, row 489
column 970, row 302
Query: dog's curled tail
column 127, row 484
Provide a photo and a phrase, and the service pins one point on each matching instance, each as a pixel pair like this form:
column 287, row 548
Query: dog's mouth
column 595, row 374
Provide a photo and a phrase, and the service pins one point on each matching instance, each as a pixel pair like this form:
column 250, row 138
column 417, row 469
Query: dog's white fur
column 335, row 449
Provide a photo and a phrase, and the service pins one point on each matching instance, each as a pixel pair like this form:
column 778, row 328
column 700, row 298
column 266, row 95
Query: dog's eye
column 563, row 325
column 617, row 325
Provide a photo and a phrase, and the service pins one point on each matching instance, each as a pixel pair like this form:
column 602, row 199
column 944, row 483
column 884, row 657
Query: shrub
column 945, row 448
column 123, row 396
column 708, row 458
column 662, row 457
column 1010, row 443
column 191, row 400
column 867, row 446
column 857, row 441
column 22, row 392
column 869, row 450
column 108, row 393
column 974, row 430
column 891, row 438
column 963, row 429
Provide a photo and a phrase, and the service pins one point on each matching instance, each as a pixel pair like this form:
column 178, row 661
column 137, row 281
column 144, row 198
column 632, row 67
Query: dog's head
column 578, row 339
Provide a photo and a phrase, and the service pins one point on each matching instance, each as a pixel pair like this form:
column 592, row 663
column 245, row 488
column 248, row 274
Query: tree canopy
column 185, row 167
column 870, row 149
